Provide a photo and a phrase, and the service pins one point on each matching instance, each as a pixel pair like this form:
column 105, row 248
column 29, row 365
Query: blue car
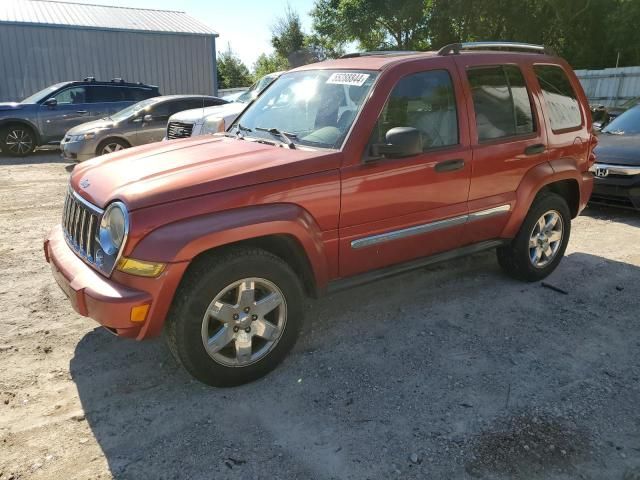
column 44, row 117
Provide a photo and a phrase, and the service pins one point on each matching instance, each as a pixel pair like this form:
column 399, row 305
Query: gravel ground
column 450, row 372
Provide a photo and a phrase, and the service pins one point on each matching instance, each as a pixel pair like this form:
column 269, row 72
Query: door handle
column 81, row 111
column 449, row 165
column 534, row 149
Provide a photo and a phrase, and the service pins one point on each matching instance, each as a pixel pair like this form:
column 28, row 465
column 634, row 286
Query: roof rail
column 89, row 79
column 455, row 48
column 117, row 80
column 379, row 52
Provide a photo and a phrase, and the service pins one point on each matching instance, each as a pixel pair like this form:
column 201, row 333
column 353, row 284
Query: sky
column 245, row 24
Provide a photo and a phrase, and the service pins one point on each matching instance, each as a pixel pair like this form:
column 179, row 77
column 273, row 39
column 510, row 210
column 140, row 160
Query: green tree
column 374, row 24
column 268, row 64
column 231, row 71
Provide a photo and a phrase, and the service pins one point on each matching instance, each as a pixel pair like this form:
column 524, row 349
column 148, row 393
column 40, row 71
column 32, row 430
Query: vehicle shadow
column 421, row 363
column 45, row 155
column 621, row 215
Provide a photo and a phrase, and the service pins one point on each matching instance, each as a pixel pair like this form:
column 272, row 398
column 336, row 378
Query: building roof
column 102, row 17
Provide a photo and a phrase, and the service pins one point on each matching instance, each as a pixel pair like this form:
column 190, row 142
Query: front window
column 133, row 110
column 626, row 124
column 313, row 107
column 42, row 94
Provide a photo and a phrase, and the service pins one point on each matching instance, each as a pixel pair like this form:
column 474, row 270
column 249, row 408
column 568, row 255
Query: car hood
column 170, row 171
column 11, row 106
column 618, row 149
column 196, row 114
column 91, row 126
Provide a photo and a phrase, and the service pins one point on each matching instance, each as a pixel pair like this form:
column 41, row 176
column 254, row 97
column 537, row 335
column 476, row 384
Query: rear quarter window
column 560, row 97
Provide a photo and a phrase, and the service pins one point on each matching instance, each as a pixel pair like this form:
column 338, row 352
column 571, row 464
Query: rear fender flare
column 533, row 182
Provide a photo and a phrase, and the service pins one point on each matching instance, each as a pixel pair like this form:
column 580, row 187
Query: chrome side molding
column 428, row 227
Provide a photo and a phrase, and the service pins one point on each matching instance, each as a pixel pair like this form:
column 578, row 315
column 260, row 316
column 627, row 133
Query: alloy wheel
column 19, row 141
column 546, row 238
column 244, row 322
column 111, row 147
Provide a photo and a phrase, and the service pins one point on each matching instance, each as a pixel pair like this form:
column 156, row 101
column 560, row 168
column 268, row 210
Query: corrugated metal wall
column 610, row 86
column 34, row 57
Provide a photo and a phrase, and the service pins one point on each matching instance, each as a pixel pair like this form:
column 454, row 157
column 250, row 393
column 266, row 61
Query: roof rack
column 379, row 52
column 117, row 80
column 455, row 48
column 89, row 79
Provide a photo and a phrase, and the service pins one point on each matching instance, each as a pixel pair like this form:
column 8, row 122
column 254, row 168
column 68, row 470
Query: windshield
column 626, row 124
column 42, row 94
column 134, row 109
column 255, row 89
column 311, row 107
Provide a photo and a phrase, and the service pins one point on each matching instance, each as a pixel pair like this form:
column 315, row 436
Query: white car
column 209, row 120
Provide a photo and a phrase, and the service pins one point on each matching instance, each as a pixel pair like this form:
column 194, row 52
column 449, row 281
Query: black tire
column 515, row 258
column 202, row 283
column 114, row 144
column 17, row 140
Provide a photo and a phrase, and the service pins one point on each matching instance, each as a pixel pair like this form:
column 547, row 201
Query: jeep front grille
column 80, row 223
column 179, row 130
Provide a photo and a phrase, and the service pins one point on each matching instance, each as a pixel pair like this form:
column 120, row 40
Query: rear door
column 106, row 100
column 398, row 209
column 507, row 134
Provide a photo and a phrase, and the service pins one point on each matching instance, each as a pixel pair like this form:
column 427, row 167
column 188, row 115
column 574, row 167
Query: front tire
column 111, row 145
column 17, row 140
column 540, row 244
column 235, row 316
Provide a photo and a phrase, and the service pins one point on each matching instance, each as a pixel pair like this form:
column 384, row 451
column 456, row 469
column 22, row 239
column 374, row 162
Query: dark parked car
column 44, row 117
column 603, row 116
column 138, row 124
column 617, row 168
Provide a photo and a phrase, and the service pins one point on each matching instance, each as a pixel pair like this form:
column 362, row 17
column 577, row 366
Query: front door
column 397, row 209
column 72, row 108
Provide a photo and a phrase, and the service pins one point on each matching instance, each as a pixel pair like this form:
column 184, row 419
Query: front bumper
column 109, row 300
column 617, row 188
column 77, row 151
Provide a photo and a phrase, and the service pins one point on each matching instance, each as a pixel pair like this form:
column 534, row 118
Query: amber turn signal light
column 139, row 313
column 140, row 267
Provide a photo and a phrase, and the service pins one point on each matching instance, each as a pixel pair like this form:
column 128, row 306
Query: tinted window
column 105, row 94
column 72, row 95
column 197, row 103
column 501, row 102
column 137, row 94
column 425, row 101
column 561, row 99
column 162, row 111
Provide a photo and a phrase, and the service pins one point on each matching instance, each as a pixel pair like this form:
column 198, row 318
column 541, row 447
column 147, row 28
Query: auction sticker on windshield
column 344, row 78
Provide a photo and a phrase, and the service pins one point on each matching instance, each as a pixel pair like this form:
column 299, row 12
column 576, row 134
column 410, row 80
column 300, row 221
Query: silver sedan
column 141, row 123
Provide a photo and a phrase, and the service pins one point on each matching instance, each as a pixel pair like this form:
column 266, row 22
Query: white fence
column 610, row 86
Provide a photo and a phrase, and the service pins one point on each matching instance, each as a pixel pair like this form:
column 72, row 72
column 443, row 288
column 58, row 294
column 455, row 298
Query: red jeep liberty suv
column 341, row 172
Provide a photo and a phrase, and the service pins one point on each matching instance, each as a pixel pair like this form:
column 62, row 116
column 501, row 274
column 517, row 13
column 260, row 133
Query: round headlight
column 113, row 227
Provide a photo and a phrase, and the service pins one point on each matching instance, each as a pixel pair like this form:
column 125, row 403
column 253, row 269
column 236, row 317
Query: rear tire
column 111, row 145
column 17, row 140
column 540, row 244
column 235, row 316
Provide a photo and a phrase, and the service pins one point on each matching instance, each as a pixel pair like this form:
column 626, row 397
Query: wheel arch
column 4, row 123
column 112, row 137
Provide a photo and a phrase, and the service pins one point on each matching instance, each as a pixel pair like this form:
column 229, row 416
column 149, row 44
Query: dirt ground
column 450, row 372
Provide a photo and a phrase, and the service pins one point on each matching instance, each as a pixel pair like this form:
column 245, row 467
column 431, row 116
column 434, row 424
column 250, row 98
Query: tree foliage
column 231, row 71
column 589, row 33
column 268, row 64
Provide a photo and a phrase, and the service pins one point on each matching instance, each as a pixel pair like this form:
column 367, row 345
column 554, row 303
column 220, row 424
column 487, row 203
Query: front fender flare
column 184, row 240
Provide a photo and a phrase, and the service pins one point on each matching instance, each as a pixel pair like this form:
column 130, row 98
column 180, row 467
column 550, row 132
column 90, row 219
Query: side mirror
column 147, row 118
column 401, row 142
column 51, row 102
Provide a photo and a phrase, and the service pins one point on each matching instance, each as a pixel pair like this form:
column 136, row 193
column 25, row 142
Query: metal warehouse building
column 43, row 42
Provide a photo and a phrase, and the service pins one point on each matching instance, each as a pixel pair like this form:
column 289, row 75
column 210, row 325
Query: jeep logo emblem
column 85, row 183
column 602, row 172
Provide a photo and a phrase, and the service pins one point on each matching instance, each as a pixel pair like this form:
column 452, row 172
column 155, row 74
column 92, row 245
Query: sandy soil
column 453, row 372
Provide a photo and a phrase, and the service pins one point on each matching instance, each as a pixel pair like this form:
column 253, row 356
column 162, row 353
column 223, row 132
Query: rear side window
column 138, row 94
column 424, row 101
column 100, row 94
column 560, row 97
column 501, row 102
